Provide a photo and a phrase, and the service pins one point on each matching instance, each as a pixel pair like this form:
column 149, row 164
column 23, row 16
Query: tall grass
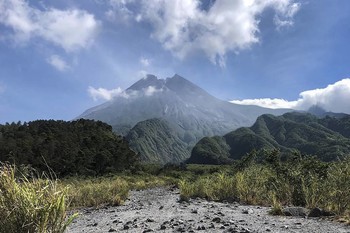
column 31, row 205
column 290, row 183
column 96, row 192
column 114, row 190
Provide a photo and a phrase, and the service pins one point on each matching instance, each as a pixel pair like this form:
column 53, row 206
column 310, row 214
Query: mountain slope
column 328, row 138
column 157, row 142
column 189, row 110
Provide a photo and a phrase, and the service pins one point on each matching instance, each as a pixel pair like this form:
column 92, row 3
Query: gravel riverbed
column 159, row 210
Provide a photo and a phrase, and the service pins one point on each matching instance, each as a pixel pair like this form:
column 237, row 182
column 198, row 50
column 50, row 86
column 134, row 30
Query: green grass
column 305, row 183
column 31, row 205
column 112, row 190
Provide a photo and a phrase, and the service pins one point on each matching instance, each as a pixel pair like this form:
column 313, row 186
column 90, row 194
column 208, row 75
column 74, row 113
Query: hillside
column 83, row 147
column 327, row 138
column 157, row 142
column 190, row 111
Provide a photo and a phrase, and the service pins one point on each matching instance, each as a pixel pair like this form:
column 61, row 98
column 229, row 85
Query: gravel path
column 158, row 210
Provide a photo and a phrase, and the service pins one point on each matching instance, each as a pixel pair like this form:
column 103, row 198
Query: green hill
column 328, row 138
column 157, row 142
column 84, row 147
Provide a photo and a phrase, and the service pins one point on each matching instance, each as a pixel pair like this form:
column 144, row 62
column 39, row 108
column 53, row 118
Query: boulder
column 295, row 211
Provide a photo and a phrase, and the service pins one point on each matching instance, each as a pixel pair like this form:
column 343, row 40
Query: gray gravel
column 158, row 210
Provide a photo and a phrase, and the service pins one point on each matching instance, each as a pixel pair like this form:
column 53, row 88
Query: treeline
column 83, row 147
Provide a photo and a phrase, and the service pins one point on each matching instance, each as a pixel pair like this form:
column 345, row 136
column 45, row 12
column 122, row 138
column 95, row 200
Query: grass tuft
column 31, row 205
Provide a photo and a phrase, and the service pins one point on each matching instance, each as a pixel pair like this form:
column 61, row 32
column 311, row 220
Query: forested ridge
column 328, row 138
column 84, row 147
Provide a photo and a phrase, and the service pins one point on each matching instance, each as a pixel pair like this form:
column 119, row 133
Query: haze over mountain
column 328, row 138
column 188, row 110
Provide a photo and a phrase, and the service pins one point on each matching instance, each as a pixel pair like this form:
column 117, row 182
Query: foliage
column 83, row 147
column 158, row 142
column 31, row 205
column 262, row 177
column 328, row 138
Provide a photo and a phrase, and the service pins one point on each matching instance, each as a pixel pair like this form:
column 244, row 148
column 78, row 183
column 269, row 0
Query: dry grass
column 31, row 205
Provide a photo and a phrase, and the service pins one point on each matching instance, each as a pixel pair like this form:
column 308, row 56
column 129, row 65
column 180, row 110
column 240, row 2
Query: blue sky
column 58, row 58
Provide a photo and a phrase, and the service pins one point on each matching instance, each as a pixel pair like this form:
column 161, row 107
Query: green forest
column 82, row 147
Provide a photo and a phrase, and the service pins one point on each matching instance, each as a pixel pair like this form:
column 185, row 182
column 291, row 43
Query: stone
column 247, row 211
column 216, row 220
column 318, row 212
column 295, row 211
column 112, row 230
column 147, row 230
column 315, row 212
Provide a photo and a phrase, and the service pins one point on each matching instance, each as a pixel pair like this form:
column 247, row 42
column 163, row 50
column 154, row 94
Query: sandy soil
column 159, row 210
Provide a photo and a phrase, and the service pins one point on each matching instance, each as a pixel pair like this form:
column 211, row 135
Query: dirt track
column 158, row 210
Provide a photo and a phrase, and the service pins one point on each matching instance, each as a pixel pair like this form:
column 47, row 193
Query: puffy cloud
column 104, row 94
column 335, row 97
column 119, row 11
column 267, row 103
column 58, row 63
column 145, row 62
column 184, row 26
column 70, row 29
column 150, row 90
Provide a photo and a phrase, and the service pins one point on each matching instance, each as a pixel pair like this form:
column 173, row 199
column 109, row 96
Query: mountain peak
column 149, row 80
column 316, row 110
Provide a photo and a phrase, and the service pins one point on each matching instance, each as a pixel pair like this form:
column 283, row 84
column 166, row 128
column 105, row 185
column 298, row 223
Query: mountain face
column 328, row 138
column 187, row 109
column 157, row 142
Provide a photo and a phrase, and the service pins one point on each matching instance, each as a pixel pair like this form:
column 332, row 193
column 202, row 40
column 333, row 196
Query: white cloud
column 145, row 62
column 58, row 63
column 104, row 94
column 267, row 103
column 335, row 97
column 151, row 90
column 70, row 29
column 184, row 27
column 141, row 74
column 119, row 11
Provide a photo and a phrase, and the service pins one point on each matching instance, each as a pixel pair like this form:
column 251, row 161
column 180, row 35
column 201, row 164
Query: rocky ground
column 159, row 209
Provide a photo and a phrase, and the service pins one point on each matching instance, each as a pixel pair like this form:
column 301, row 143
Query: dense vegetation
column 83, row 147
column 157, row 142
column 262, row 178
column 328, row 138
